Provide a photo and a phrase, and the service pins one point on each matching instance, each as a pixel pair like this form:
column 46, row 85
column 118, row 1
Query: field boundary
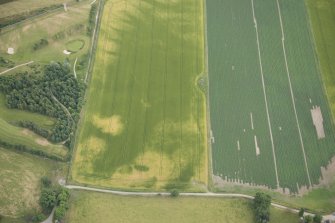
column 94, row 40
column 89, row 71
column 208, row 117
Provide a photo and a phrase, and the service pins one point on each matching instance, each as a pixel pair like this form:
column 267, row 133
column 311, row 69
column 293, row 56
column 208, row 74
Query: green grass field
column 95, row 207
column 321, row 13
column 144, row 124
column 259, row 100
column 58, row 28
column 75, row 45
column 20, row 180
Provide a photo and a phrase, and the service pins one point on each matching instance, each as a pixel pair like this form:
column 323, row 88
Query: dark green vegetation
column 40, row 44
column 91, row 19
column 54, row 197
column 259, row 100
column 97, row 207
column 144, row 124
column 57, row 94
column 46, row 95
column 261, row 205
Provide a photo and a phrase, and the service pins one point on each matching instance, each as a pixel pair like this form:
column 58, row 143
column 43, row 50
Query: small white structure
column 65, row 7
column 256, row 147
column 66, row 52
column 10, row 51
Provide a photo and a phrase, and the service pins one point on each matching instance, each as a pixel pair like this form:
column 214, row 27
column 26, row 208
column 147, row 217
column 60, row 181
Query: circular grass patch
column 74, row 46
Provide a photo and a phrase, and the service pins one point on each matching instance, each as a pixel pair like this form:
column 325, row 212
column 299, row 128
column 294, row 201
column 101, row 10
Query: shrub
column 174, row 193
column 46, row 182
column 261, row 205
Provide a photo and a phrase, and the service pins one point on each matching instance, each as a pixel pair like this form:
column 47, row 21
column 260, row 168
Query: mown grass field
column 144, row 124
column 20, row 181
column 96, row 207
column 259, row 100
column 58, row 29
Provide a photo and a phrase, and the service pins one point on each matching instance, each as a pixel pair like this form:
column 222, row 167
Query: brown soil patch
column 223, row 183
column 26, row 132
column 42, row 142
column 328, row 173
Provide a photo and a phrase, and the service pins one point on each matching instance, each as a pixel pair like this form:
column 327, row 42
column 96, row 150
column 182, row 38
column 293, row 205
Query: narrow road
column 3, row 72
column 49, row 219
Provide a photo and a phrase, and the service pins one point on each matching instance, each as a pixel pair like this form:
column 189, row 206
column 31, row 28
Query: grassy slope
column 24, row 36
column 22, row 6
column 12, row 115
column 238, row 92
column 20, row 136
column 144, row 109
column 16, row 135
column 95, row 207
column 19, row 181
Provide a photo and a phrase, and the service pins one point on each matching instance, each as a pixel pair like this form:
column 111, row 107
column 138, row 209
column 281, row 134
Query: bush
column 317, row 218
column 261, row 205
column 301, row 212
column 174, row 193
column 46, row 182
column 48, row 198
column 38, row 218
column 40, row 44
column 91, row 19
column 308, row 219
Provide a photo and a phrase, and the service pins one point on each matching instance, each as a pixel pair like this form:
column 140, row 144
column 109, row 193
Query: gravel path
column 3, row 72
column 49, row 219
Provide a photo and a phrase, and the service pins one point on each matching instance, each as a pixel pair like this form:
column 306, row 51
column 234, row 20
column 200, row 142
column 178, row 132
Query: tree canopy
column 45, row 95
column 261, row 205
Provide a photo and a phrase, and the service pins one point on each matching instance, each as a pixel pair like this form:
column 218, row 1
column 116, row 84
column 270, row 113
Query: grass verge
column 97, row 207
